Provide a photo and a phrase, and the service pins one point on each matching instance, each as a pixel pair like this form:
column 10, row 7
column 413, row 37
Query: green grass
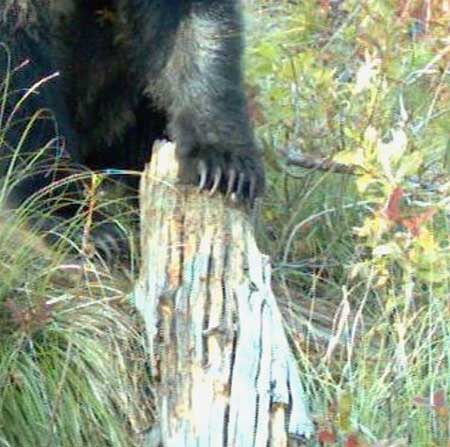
column 72, row 362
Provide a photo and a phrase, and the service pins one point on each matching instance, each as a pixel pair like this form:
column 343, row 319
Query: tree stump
column 222, row 370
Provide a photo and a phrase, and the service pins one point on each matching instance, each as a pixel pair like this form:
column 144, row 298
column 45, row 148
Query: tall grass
column 72, row 369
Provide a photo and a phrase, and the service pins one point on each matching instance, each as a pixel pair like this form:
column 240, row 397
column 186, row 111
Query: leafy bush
column 362, row 260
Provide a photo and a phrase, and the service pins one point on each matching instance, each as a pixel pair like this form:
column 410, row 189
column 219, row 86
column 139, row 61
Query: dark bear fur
column 130, row 72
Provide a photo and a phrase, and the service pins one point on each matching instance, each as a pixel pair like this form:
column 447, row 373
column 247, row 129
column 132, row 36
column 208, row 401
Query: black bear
column 117, row 74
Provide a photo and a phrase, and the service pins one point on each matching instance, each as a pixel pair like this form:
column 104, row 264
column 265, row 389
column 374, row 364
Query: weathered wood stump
column 223, row 372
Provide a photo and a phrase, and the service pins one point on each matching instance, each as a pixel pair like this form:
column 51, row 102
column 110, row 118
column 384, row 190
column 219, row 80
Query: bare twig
column 319, row 164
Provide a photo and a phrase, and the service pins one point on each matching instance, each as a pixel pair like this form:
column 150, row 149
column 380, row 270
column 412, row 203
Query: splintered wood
column 222, row 370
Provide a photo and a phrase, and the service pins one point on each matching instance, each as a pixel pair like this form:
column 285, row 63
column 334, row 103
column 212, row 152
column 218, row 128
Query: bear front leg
column 200, row 88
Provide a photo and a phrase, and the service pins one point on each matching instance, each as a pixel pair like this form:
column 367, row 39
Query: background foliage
column 361, row 259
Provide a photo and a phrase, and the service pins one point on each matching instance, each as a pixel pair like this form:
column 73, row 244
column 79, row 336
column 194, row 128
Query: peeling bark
column 222, row 369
